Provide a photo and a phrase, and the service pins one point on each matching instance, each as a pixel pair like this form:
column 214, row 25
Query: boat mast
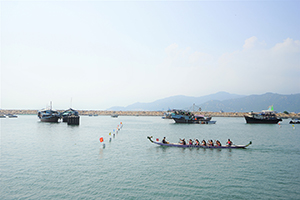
column 198, row 108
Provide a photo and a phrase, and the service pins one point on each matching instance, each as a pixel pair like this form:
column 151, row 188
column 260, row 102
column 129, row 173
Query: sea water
column 42, row 160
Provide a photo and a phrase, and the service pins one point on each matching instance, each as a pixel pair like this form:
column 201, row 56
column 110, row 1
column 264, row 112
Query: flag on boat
column 271, row 108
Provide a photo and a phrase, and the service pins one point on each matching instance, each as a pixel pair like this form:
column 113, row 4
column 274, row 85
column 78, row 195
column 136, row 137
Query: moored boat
column 49, row 115
column 198, row 146
column 168, row 114
column 295, row 121
column 182, row 116
column 12, row 116
column 263, row 117
column 67, row 113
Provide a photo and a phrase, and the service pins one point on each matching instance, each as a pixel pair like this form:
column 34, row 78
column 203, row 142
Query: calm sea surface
column 56, row 161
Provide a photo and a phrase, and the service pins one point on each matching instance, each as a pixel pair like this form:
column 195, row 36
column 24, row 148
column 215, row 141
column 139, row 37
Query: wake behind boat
column 198, row 146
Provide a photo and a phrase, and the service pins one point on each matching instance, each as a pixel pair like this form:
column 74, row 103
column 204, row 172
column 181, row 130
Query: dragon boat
column 198, row 146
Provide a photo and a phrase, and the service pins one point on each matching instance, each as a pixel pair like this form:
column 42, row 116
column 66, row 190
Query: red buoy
column 101, row 139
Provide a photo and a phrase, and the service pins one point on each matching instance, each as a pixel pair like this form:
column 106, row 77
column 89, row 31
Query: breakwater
column 142, row 113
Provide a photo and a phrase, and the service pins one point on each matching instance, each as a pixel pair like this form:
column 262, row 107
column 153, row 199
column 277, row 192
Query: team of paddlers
column 197, row 143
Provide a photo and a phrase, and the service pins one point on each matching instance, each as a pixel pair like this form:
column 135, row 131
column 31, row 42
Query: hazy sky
column 102, row 54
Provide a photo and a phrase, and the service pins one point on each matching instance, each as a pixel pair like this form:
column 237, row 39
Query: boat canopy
column 47, row 111
column 70, row 111
column 268, row 112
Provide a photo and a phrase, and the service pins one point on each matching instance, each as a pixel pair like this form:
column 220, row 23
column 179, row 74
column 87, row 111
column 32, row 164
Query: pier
column 73, row 120
column 145, row 113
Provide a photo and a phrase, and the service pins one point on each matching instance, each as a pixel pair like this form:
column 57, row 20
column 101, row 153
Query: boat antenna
column 199, row 108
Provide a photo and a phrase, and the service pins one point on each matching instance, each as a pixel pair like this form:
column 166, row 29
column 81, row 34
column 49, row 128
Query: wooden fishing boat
column 67, row 113
column 263, row 117
column 49, row 115
column 198, row 146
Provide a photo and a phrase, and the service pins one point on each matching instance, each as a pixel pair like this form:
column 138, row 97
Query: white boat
column 12, row 116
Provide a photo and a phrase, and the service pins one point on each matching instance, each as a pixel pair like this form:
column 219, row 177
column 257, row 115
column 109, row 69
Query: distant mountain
column 177, row 102
column 256, row 103
column 221, row 101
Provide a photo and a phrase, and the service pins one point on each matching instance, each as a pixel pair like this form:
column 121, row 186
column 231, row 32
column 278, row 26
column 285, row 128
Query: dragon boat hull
column 199, row 146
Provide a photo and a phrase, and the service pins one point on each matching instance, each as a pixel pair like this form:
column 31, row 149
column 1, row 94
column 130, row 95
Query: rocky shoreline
column 143, row 113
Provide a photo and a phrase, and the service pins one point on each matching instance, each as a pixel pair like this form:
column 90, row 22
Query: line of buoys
column 279, row 125
column 293, row 126
column 114, row 134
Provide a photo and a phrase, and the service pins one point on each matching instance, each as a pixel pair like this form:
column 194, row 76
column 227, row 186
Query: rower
column 229, row 142
column 164, row 141
column 203, row 143
column 183, row 141
column 190, row 142
column 218, row 143
column 197, row 142
column 210, row 143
